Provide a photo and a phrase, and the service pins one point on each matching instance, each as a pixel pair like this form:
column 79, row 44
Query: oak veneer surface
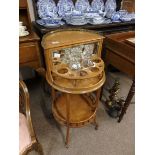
column 29, row 54
column 80, row 109
column 119, row 53
column 117, row 43
column 31, row 37
column 64, row 38
column 128, row 5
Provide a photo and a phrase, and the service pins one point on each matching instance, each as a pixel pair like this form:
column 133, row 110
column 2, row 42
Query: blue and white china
column 76, row 13
column 110, row 8
column 82, row 5
column 109, row 14
column 97, row 5
column 107, row 21
column 127, row 17
column 91, row 15
column 64, row 7
column 122, row 12
column 115, row 16
column 76, row 20
column 46, row 9
column 132, row 15
column 40, row 22
column 101, row 13
column 96, row 21
column 50, row 22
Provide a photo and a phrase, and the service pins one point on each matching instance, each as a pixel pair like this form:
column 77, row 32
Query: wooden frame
column 24, row 107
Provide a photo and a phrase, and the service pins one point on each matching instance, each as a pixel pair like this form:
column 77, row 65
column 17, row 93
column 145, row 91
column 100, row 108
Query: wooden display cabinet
column 77, row 103
column 29, row 50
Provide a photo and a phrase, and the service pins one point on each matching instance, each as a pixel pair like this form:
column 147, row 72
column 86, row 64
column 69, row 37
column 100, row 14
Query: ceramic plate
column 25, row 34
column 116, row 21
column 77, row 23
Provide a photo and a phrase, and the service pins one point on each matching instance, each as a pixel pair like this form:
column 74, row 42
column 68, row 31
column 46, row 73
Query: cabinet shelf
column 82, row 110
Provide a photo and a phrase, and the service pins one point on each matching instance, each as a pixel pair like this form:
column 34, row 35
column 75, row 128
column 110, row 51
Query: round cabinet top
column 63, row 38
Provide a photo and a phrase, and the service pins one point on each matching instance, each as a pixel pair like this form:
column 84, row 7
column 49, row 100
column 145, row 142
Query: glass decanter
column 86, row 55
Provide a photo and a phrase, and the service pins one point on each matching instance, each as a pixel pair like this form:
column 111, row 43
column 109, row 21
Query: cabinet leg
column 96, row 124
column 67, row 137
column 128, row 100
column 68, row 119
column 53, row 94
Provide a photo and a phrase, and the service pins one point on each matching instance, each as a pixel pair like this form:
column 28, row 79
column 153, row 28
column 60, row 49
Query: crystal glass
column 78, row 56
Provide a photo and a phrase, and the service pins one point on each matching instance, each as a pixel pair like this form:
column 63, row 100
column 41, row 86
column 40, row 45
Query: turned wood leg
column 39, row 149
column 128, row 101
column 68, row 119
column 53, row 94
column 98, row 92
column 106, row 71
column 96, row 124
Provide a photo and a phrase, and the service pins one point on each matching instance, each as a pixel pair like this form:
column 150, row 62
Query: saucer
column 24, row 34
column 76, row 22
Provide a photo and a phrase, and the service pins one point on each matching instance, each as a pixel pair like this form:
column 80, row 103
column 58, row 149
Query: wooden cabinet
column 29, row 50
column 128, row 5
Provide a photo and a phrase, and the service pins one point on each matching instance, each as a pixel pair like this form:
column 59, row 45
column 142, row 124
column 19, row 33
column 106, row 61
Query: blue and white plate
column 40, row 22
column 49, row 22
column 97, row 5
column 82, row 5
column 115, row 16
column 127, row 17
column 64, row 7
column 46, row 9
column 110, row 6
column 76, row 22
column 116, row 21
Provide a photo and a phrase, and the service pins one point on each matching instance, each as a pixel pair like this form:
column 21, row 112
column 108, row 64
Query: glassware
column 78, row 56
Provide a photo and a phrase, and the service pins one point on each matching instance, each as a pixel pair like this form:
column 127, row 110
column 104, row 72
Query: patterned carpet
column 111, row 138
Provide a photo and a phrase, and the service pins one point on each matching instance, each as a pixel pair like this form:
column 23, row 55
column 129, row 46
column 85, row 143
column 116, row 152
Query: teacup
column 22, row 28
column 23, row 33
column 20, row 23
column 115, row 16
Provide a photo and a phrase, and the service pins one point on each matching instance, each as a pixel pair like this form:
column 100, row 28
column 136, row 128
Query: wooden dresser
column 103, row 29
column 29, row 50
column 120, row 53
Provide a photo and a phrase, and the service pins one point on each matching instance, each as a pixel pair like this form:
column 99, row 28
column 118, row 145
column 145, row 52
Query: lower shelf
column 82, row 110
